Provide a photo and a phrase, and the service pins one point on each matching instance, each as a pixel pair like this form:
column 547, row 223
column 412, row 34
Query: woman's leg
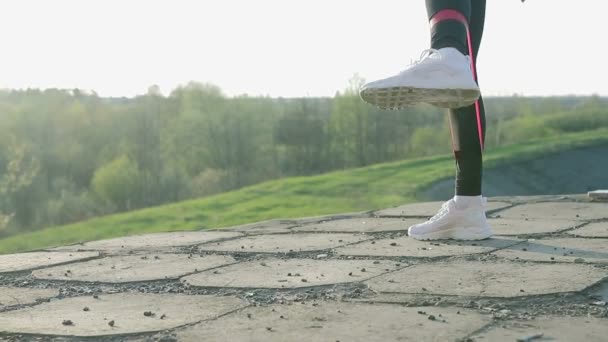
column 467, row 124
column 459, row 24
column 449, row 33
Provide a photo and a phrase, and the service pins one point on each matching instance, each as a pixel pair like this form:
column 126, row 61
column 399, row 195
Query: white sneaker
column 441, row 77
column 453, row 222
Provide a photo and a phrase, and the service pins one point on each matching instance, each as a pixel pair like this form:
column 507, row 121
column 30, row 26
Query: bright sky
column 287, row 47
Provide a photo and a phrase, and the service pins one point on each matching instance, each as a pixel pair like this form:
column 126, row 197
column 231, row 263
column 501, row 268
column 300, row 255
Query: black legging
column 467, row 124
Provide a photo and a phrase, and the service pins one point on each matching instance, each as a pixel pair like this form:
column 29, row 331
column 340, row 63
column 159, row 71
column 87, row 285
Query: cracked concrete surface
column 598, row 229
column 26, row 261
column 349, row 277
column 117, row 269
column 91, row 316
column 151, row 241
column 405, row 246
column 428, row 209
column 10, row 296
column 334, row 322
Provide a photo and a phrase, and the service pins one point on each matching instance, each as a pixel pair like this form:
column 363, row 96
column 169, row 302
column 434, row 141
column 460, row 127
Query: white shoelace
column 445, row 207
column 424, row 56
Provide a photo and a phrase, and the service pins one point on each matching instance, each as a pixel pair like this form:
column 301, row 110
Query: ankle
column 464, row 202
column 451, row 51
column 449, row 28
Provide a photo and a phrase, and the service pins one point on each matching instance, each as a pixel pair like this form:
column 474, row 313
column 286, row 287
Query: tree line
column 69, row 155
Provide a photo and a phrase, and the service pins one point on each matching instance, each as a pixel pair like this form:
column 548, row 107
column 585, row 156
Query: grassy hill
column 368, row 188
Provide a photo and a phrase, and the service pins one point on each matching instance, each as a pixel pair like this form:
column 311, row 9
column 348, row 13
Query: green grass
column 373, row 187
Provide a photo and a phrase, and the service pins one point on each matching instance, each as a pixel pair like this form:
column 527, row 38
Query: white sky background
column 287, row 47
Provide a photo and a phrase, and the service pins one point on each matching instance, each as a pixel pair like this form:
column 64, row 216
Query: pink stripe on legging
column 449, row 14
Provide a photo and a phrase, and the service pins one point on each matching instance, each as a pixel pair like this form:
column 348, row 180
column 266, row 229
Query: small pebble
column 86, row 308
column 67, row 322
column 148, row 313
column 363, row 270
column 431, row 317
column 111, row 323
column 393, row 244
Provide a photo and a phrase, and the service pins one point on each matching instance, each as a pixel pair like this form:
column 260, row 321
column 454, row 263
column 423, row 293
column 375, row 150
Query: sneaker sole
column 469, row 233
column 401, row 97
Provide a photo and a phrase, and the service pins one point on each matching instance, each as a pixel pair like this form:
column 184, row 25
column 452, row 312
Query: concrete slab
column 524, row 227
column 153, row 241
column 408, row 247
column 566, row 329
column 264, row 227
column 27, row 261
column 291, row 273
column 119, row 269
column 323, row 218
column 568, row 249
column 360, row 225
column 598, row 229
column 561, row 210
column 488, row 278
column 427, row 209
column 125, row 310
column 10, row 296
column 282, row 243
column 337, row 322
